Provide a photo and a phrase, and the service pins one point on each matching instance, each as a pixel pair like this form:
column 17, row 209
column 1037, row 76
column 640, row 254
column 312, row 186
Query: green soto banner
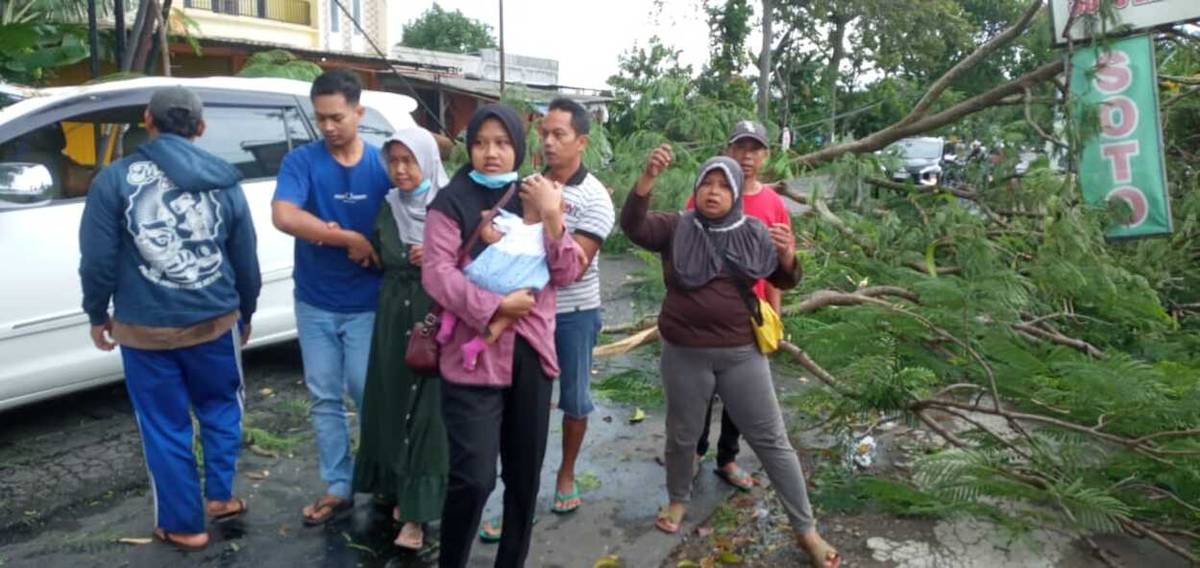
column 1125, row 159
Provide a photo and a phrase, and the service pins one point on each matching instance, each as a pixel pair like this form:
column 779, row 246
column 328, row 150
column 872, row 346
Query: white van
column 54, row 141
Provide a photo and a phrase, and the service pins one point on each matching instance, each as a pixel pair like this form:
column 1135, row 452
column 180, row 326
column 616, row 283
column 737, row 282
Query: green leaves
column 281, row 64
column 449, row 31
column 29, row 50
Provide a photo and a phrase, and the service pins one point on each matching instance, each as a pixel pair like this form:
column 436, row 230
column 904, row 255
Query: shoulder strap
column 464, row 253
column 747, row 294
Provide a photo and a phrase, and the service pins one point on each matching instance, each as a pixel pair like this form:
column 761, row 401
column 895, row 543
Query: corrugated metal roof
column 534, row 93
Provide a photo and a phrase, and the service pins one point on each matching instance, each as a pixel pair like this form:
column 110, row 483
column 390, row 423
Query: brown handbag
column 422, row 353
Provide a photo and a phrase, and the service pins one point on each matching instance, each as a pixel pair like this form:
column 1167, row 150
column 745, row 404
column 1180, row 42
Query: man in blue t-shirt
column 326, row 196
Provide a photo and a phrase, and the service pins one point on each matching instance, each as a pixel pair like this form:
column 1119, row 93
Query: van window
column 68, row 149
column 253, row 139
column 297, row 129
column 374, row 128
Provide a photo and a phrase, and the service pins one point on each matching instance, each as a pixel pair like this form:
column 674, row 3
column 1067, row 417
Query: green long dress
column 402, row 454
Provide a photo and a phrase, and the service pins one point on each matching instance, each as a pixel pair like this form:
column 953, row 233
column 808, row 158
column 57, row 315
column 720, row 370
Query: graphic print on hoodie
column 174, row 230
column 167, row 235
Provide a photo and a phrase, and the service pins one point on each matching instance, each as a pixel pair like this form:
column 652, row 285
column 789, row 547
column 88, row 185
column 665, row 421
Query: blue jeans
column 334, row 347
column 575, row 335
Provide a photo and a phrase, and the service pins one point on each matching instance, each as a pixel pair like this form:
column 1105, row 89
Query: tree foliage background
column 450, row 31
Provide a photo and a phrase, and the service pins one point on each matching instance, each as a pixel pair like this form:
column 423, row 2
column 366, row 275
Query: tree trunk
column 837, row 36
column 764, row 63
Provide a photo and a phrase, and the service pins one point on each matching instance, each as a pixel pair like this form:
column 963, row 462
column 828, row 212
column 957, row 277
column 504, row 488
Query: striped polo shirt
column 589, row 212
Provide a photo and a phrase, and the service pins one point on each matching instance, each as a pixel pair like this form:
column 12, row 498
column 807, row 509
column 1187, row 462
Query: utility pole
column 764, row 64
column 93, row 39
column 119, row 31
column 502, row 48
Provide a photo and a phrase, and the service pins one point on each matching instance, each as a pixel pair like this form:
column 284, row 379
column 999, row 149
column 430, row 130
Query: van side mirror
column 24, row 184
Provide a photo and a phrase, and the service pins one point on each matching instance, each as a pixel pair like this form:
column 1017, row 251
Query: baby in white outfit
column 515, row 259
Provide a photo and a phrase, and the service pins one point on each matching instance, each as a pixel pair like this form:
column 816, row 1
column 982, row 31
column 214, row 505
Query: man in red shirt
column 748, row 145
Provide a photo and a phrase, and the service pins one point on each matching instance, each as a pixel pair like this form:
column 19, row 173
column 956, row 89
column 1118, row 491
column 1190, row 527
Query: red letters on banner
column 1118, row 122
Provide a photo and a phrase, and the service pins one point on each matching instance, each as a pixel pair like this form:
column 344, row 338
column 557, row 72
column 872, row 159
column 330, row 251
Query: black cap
column 749, row 129
column 172, row 98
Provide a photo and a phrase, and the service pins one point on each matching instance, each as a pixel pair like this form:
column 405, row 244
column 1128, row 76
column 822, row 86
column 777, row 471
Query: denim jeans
column 334, row 347
column 575, row 335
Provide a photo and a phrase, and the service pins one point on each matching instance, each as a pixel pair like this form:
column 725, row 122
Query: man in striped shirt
column 589, row 218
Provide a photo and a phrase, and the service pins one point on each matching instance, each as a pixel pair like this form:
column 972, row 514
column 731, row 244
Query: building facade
column 325, row 25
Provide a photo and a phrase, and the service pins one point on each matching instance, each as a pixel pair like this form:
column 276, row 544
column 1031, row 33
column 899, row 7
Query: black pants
column 727, row 444
column 482, row 422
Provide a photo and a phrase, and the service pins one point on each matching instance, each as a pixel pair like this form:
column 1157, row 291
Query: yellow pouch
column 769, row 332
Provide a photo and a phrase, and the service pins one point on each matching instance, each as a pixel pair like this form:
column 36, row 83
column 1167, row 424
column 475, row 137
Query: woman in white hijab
column 402, row 456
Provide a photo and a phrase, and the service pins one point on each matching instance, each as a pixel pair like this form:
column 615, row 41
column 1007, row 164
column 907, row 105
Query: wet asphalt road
column 73, row 482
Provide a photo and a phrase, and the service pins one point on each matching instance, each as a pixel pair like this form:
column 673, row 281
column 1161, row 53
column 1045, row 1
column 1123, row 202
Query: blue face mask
column 421, row 189
column 493, row 181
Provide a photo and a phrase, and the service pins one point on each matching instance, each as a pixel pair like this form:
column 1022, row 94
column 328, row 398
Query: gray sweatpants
column 742, row 377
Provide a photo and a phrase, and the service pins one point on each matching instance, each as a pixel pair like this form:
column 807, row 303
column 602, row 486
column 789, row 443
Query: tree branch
column 823, row 210
column 895, row 132
column 1180, row 79
column 1003, row 38
column 1035, row 126
column 1138, row 528
column 894, row 291
column 939, row 269
column 812, row 367
column 1055, row 337
column 1181, row 95
column 1136, row 444
column 903, row 187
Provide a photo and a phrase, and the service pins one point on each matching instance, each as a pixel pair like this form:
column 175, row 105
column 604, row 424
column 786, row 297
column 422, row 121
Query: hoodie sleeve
column 243, row 254
column 100, row 244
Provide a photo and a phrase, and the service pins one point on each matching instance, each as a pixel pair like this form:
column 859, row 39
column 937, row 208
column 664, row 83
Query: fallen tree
column 1070, row 365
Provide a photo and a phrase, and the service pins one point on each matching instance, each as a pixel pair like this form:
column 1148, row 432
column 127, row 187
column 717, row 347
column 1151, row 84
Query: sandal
column 668, row 523
column 230, row 514
column 738, row 478
column 410, row 539
column 170, row 538
column 333, row 507
column 823, row 554
column 560, row 507
column 494, row 527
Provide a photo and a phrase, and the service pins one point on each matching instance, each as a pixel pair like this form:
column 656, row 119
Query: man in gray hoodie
column 167, row 237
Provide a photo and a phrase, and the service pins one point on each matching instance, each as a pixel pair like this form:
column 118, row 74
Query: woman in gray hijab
column 402, row 456
column 711, row 258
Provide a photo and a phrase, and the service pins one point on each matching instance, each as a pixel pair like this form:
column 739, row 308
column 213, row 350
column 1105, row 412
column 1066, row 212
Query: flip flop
column 169, row 538
column 738, row 478
column 668, row 523
column 560, row 498
column 336, row 507
column 494, row 527
column 230, row 515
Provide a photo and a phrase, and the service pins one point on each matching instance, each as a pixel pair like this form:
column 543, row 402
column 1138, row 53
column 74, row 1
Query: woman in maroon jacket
column 711, row 257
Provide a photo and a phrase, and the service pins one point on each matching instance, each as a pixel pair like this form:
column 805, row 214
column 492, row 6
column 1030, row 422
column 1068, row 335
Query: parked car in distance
column 54, row 141
column 918, row 159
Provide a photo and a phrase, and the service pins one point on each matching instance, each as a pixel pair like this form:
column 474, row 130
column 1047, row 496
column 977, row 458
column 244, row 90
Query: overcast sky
column 585, row 36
